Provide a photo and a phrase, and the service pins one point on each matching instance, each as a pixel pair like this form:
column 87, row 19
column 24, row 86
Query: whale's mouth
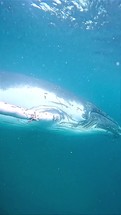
column 95, row 118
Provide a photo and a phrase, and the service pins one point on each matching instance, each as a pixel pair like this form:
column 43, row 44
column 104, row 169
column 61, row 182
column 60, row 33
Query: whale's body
column 29, row 102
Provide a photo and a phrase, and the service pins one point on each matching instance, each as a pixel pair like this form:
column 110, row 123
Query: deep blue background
column 51, row 173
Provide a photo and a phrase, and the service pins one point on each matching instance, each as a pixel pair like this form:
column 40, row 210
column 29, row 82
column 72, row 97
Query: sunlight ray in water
column 86, row 14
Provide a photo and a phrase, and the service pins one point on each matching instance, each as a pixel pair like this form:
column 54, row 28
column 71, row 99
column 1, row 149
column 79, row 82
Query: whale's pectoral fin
column 99, row 119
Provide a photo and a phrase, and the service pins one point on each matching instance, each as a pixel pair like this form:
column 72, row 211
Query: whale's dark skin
column 28, row 98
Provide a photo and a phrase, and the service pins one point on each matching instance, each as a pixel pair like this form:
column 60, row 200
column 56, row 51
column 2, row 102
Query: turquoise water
column 50, row 173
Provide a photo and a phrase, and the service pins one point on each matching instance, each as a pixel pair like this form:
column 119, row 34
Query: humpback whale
column 30, row 102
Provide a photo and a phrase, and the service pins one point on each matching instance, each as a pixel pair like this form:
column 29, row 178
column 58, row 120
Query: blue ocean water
column 75, row 44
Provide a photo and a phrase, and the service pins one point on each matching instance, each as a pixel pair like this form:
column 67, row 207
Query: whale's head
column 99, row 120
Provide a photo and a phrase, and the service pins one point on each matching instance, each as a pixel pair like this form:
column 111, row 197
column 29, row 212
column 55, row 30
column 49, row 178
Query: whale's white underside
column 34, row 99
